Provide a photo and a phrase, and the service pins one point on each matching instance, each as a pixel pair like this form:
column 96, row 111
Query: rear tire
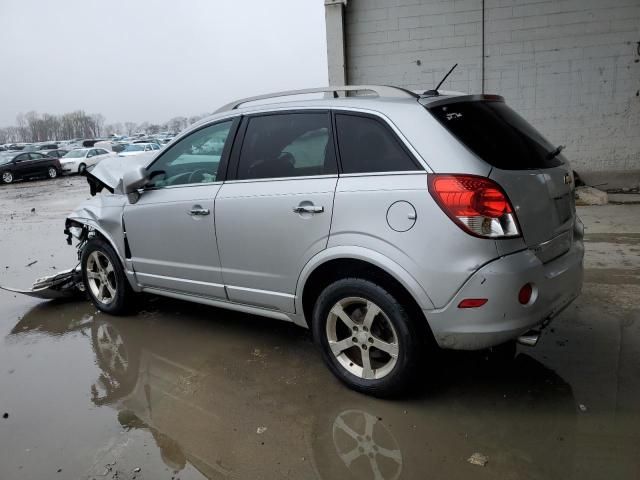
column 104, row 278
column 52, row 172
column 7, row 178
column 354, row 320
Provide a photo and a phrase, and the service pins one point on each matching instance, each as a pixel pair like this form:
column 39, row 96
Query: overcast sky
column 137, row 60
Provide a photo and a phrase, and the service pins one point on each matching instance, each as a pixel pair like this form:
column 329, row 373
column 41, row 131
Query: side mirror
column 155, row 174
column 134, row 180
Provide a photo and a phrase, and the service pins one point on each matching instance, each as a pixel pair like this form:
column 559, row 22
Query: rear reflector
column 476, row 204
column 472, row 302
column 524, row 296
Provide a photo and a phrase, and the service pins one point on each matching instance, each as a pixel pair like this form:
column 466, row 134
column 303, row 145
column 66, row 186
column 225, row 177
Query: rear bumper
column 503, row 318
column 69, row 167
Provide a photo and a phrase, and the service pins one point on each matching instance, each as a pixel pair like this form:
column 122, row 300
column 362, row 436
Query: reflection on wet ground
column 218, row 394
column 186, row 391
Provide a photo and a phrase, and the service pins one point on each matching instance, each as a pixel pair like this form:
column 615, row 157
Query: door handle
column 308, row 209
column 197, row 210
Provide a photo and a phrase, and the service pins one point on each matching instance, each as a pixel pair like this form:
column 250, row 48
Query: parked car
column 18, row 146
column 77, row 161
column 389, row 225
column 56, row 153
column 138, row 148
column 21, row 165
column 47, row 146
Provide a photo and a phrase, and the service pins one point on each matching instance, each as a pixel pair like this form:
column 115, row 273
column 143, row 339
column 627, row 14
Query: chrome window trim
column 378, row 174
column 280, row 179
column 168, row 187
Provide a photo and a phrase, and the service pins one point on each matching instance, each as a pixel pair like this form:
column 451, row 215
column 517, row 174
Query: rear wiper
column 554, row 153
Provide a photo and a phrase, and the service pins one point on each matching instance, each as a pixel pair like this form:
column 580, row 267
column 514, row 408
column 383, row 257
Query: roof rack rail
column 380, row 90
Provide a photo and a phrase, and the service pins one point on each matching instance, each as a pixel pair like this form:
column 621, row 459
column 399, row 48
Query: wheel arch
column 343, row 262
column 120, row 250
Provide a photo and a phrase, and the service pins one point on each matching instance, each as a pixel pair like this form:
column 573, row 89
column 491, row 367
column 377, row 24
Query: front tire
column 7, row 178
column 82, row 168
column 52, row 172
column 104, row 278
column 366, row 336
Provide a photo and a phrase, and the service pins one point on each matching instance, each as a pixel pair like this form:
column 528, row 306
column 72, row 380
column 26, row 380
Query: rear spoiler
column 429, row 103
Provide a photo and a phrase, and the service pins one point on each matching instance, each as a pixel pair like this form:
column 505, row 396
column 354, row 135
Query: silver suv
column 389, row 222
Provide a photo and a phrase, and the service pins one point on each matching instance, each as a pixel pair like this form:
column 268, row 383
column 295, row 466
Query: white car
column 138, row 148
column 77, row 161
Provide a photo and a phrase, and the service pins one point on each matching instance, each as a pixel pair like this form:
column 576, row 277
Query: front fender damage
column 100, row 215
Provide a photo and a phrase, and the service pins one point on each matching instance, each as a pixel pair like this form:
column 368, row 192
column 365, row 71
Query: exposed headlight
column 76, row 232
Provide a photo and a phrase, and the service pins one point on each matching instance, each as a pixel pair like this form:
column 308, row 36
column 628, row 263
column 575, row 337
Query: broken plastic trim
column 64, row 284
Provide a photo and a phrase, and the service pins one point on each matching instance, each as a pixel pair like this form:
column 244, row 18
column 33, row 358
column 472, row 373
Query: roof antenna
column 434, row 92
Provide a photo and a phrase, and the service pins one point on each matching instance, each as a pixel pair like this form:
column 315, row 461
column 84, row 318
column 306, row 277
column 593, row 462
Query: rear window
column 496, row 134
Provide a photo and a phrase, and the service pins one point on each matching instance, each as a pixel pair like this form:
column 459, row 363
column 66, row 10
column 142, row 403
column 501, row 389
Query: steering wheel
column 201, row 171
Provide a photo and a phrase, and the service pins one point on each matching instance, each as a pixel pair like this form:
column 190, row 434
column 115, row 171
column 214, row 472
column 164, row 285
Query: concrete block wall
column 570, row 67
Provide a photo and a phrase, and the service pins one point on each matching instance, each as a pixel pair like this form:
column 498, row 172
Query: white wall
column 571, row 67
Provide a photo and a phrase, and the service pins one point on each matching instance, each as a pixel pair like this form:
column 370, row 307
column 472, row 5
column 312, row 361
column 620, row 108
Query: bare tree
column 130, row 127
column 33, row 127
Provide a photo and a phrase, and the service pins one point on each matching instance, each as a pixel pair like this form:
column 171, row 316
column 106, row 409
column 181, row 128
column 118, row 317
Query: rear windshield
column 496, row 134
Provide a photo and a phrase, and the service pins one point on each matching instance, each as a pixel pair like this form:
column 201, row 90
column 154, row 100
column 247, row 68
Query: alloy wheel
column 53, row 173
column 362, row 338
column 7, row 177
column 101, row 277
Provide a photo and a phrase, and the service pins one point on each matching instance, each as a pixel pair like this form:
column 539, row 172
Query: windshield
column 76, row 154
column 134, row 148
column 496, row 134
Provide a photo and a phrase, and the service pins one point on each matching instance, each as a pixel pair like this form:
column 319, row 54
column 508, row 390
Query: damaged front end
column 98, row 216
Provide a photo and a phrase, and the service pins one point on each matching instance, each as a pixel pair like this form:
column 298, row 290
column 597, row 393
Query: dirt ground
column 188, row 391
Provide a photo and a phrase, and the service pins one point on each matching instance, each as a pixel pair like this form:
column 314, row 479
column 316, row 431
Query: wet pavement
column 188, row 391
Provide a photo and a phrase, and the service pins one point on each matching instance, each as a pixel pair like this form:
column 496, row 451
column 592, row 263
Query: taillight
column 472, row 302
column 478, row 205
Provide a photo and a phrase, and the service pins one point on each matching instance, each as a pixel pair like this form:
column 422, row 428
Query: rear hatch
column 538, row 183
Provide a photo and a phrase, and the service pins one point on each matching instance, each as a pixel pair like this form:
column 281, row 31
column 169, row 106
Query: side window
column 91, row 153
column 155, row 147
column 194, row 159
column 35, row 156
column 368, row 145
column 100, row 151
column 22, row 158
column 287, row 145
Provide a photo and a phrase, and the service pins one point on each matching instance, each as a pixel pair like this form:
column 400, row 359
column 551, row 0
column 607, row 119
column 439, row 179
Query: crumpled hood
column 108, row 172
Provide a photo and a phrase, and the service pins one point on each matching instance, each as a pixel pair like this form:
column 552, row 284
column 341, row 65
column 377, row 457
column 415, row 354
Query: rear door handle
column 308, row 209
column 198, row 210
